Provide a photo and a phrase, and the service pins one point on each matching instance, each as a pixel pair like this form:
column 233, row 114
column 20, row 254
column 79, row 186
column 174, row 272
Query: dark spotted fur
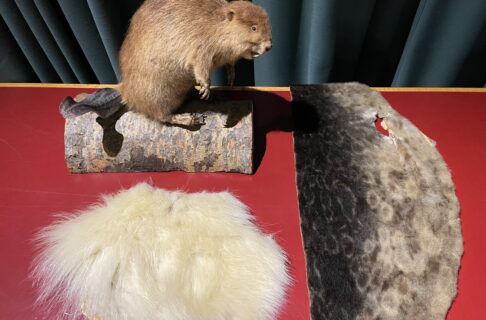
column 380, row 218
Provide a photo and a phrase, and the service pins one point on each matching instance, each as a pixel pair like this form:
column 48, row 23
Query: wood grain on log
column 130, row 142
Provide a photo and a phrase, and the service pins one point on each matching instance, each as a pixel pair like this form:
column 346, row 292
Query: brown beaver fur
column 171, row 45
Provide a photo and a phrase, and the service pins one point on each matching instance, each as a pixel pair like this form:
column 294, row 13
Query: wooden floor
column 35, row 184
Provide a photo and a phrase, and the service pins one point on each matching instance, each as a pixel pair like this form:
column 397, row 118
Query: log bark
column 130, row 142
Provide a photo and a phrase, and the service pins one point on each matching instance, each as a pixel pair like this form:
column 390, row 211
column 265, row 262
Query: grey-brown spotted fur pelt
column 173, row 45
column 380, row 218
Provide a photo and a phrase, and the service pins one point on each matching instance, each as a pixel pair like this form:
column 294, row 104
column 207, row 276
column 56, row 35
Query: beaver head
column 249, row 27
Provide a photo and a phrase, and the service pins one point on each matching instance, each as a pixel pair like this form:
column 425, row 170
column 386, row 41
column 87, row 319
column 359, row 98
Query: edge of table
column 381, row 89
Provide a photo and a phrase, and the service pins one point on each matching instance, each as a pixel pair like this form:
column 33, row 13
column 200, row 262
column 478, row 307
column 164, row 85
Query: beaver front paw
column 204, row 91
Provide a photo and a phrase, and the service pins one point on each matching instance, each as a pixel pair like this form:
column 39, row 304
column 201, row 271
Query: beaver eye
column 253, row 28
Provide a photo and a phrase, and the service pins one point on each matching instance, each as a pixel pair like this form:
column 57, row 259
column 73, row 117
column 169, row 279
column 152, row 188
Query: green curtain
column 377, row 42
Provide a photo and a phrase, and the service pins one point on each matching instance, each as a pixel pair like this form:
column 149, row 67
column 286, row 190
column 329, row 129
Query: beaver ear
column 229, row 13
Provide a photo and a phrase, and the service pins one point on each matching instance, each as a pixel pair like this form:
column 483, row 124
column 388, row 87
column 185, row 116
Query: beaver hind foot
column 184, row 119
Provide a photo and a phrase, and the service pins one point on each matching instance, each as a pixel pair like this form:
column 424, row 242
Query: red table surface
column 35, row 184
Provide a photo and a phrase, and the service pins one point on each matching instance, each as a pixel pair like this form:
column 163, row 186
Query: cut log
column 130, row 142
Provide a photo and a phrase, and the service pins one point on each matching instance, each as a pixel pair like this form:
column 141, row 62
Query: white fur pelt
column 146, row 253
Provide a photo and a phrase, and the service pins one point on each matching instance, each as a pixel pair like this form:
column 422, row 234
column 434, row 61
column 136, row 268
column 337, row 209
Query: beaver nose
column 268, row 47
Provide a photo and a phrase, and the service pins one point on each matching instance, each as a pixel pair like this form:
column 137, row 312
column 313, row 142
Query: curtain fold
column 350, row 36
column 385, row 39
column 27, row 42
column 277, row 67
column 377, row 42
column 80, row 19
column 45, row 39
column 14, row 66
column 442, row 37
column 315, row 55
column 65, row 40
column 108, row 22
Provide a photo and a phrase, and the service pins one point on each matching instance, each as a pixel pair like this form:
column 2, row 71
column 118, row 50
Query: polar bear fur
column 147, row 253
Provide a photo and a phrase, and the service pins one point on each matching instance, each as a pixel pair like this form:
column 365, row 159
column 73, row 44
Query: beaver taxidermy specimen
column 173, row 45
